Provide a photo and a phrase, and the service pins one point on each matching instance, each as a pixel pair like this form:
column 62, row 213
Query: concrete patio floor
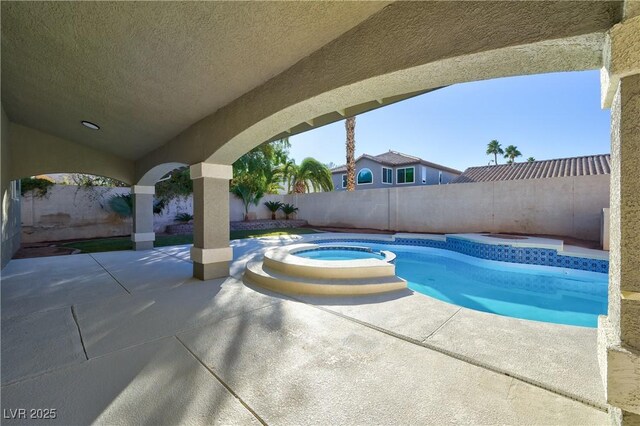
column 130, row 337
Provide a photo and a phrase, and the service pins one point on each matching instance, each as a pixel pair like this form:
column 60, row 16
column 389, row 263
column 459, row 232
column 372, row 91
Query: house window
column 387, row 175
column 439, row 178
column 405, row 175
column 344, row 181
column 365, row 176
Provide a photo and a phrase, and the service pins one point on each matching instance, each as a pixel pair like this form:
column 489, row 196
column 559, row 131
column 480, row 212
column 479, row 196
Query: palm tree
column 309, row 175
column 350, row 125
column 248, row 194
column 494, row 148
column 511, row 153
column 530, row 160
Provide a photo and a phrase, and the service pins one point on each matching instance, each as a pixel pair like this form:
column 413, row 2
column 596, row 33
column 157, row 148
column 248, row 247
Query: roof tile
column 562, row 167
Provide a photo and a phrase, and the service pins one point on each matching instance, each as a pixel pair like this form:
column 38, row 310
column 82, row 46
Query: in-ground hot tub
column 325, row 270
column 340, row 253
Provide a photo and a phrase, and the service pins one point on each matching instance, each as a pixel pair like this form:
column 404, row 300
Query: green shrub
column 40, row 187
column 183, row 217
column 122, row 205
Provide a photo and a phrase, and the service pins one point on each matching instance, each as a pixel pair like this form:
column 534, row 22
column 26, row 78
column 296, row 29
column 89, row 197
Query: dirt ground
column 43, row 250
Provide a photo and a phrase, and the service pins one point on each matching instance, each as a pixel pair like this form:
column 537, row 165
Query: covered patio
column 141, row 341
column 134, row 90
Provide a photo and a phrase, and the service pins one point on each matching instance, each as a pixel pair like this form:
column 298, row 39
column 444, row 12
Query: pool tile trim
column 499, row 252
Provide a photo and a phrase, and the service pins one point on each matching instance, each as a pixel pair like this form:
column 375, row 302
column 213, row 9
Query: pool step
column 258, row 274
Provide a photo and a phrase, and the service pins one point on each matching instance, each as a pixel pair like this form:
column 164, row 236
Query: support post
column 211, row 252
column 143, row 235
column 619, row 331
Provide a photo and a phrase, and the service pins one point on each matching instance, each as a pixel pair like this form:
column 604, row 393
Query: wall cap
column 143, row 189
column 214, row 171
column 139, row 237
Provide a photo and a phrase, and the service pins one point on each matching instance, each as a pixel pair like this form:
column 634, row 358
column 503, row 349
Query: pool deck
column 130, row 337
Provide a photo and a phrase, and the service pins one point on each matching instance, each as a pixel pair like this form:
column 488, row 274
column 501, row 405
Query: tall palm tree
column 511, row 153
column 494, row 148
column 350, row 125
column 309, row 175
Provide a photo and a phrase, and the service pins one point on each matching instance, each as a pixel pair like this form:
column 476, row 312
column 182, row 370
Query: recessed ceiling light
column 90, row 125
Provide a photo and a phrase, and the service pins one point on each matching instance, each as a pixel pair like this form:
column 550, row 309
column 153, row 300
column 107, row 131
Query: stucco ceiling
column 144, row 71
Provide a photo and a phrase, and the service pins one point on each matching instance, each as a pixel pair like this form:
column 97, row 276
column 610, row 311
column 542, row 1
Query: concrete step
column 288, row 264
column 258, row 274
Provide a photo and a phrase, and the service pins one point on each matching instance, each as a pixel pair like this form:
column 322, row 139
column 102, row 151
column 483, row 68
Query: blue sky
column 546, row 116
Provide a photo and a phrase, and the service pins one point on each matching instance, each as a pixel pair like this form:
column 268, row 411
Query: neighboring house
column 589, row 165
column 393, row 169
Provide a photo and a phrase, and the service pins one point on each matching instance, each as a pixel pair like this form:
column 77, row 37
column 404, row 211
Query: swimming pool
column 540, row 293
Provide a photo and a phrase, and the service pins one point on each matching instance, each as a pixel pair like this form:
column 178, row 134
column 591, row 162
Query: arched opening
column 153, row 175
column 66, row 213
column 52, row 211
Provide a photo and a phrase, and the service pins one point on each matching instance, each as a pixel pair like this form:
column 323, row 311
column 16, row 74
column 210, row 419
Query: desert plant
column 122, row 205
column 273, row 206
column 183, row 217
column 288, row 209
column 494, row 148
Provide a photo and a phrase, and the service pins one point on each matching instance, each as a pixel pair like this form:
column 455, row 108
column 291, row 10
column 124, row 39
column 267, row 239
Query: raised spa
column 325, row 270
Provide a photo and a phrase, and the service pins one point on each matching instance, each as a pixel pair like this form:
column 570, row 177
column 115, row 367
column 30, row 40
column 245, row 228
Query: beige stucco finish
column 619, row 331
column 145, row 71
column 9, row 206
column 211, row 252
column 163, row 95
column 492, row 40
column 34, row 152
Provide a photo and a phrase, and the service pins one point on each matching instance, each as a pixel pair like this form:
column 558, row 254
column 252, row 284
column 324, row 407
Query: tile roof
column 562, row 167
column 395, row 158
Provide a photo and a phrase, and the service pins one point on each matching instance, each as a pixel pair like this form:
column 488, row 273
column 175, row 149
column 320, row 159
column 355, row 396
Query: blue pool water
column 337, row 254
column 540, row 293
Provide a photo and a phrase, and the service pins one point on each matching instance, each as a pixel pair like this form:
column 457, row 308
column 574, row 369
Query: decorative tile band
column 500, row 253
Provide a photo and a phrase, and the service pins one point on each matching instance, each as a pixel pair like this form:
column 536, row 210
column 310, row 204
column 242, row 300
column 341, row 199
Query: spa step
column 291, row 265
column 258, row 274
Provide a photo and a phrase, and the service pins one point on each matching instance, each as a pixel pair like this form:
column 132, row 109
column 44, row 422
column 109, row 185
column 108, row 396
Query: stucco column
column 143, row 235
column 619, row 331
column 211, row 252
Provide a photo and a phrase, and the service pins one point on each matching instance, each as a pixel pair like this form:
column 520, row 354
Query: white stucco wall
column 559, row 206
column 236, row 208
column 69, row 212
